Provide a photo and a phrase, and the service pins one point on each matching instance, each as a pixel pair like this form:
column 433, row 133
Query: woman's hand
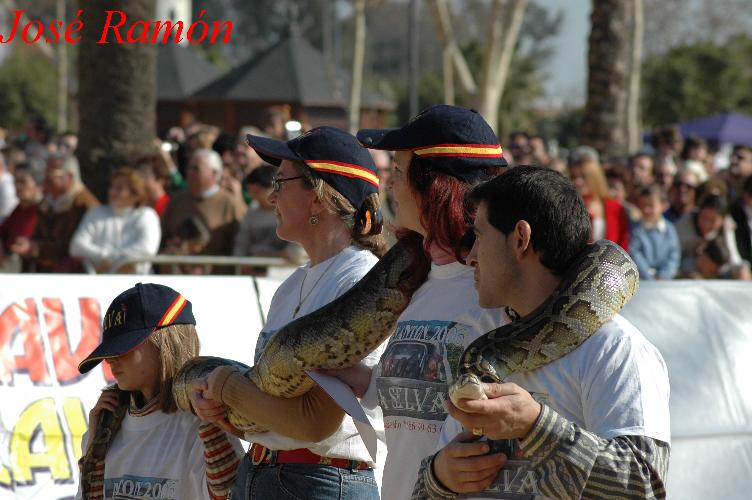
column 210, row 410
column 108, row 400
column 207, row 409
column 357, row 377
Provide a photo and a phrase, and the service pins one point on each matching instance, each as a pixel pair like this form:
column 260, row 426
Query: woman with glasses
column 325, row 197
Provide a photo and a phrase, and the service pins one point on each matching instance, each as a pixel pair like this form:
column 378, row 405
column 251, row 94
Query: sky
column 567, row 68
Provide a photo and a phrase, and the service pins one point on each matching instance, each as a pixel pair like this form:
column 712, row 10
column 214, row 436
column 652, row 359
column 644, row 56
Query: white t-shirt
column 8, row 200
column 106, row 234
column 411, row 381
column 323, row 283
column 614, row 384
column 157, row 456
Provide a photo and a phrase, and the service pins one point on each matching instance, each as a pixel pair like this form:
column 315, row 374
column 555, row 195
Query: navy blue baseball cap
column 458, row 139
column 133, row 316
column 332, row 153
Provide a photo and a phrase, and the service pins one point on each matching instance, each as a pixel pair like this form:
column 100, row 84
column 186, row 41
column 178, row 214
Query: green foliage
column 697, row 80
column 27, row 88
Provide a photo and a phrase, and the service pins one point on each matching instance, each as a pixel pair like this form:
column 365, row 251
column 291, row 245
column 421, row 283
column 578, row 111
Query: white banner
column 704, row 331
column 48, row 323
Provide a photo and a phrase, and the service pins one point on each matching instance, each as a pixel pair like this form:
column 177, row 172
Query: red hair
column 447, row 214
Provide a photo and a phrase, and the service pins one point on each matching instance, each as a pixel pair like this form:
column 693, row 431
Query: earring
column 314, row 220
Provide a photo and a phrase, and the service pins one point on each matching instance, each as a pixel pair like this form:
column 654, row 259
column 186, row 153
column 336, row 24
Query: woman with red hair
column 439, row 156
column 608, row 218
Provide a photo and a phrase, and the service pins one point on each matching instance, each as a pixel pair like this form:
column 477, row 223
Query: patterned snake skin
column 338, row 335
column 596, row 288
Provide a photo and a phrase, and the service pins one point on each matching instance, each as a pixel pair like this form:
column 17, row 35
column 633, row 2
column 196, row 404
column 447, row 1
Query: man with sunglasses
column 681, row 195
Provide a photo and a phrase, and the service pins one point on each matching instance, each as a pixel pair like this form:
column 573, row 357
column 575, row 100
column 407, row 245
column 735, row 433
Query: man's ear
column 522, row 234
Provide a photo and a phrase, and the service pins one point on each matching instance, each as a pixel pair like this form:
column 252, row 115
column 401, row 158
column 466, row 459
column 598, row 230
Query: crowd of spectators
column 680, row 209
column 199, row 192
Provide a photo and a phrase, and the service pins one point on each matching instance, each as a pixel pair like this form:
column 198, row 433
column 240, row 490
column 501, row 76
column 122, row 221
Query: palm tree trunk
column 117, row 92
column 604, row 124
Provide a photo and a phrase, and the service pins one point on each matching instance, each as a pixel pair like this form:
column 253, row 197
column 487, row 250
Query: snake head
column 467, row 386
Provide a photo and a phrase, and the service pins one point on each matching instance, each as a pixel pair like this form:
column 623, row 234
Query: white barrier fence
column 704, row 331
column 49, row 322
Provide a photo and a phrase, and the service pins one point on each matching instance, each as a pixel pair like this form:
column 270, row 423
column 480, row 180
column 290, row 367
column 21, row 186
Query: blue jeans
column 302, row 481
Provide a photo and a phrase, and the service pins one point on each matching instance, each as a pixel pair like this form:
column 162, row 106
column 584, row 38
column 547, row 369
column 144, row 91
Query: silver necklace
column 302, row 299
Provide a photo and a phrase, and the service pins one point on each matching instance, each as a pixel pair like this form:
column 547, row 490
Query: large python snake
column 338, row 335
column 597, row 286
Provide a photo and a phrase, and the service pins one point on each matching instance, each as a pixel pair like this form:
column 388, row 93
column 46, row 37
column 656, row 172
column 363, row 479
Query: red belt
column 262, row 455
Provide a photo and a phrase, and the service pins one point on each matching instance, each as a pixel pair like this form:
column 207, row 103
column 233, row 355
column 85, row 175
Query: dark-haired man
column 593, row 423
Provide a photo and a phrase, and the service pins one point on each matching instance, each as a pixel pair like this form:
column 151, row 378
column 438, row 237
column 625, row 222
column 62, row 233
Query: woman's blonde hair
column 176, row 345
column 341, row 206
column 595, row 177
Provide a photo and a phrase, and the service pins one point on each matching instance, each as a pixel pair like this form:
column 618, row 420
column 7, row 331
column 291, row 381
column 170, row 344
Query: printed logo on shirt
column 517, row 480
column 140, row 488
column 417, row 367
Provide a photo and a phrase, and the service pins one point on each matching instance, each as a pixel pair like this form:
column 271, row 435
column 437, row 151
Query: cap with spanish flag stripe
column 332, row 153
column 133, row 316
column 454, row 139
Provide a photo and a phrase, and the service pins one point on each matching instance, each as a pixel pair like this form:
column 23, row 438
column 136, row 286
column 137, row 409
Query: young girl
column 138, row 444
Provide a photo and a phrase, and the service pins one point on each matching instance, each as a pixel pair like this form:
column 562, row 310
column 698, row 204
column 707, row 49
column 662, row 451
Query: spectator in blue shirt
column 654, row 244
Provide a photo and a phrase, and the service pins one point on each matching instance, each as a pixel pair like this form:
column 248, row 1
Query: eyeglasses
column 278, row 181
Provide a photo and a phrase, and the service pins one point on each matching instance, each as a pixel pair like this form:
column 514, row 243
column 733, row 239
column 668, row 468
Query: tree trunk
column 634, row 124
column 412, row 56
column 357, row 67
column 448, row 71
column 501, row 40
column 62, row 73
column 117, row 92
column 604, row 123
column 442, row 20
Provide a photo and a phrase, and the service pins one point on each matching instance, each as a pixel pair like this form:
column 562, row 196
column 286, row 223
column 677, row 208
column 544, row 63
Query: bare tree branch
column 440, row 11
column 503, row 34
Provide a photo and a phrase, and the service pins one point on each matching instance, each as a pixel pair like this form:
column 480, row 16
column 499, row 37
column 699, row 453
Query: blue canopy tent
column 726, row 128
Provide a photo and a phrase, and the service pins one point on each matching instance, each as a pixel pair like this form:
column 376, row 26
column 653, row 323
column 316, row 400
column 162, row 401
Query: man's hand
column 463, row 466
column 510, row 412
